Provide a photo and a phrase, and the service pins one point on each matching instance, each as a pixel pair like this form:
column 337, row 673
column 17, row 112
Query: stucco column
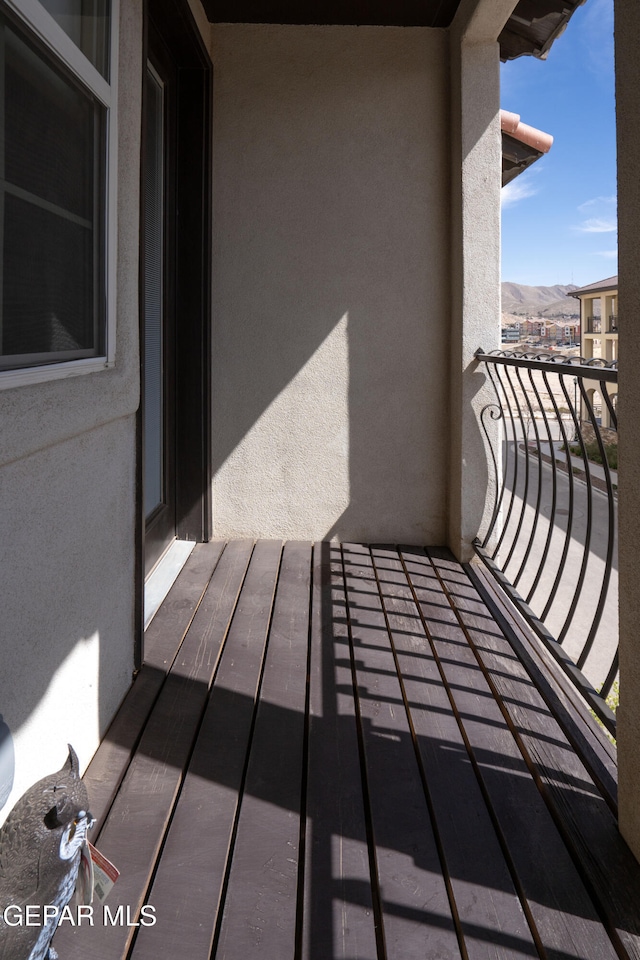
column 627, row 30
column 475, row 300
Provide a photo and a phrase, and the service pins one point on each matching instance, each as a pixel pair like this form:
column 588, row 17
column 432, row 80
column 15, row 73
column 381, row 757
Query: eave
column 531, row 29
column 522, row 145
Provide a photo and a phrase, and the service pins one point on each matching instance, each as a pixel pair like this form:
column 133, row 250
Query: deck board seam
column 539, row 782
column 573, row 838
column 423, row 777
column 501, row 838
column 543, row 678
column 157, row 620
column 376, row 894
column 381, row 611
column 95, row 836
column 217, row 929
column 302, row 836
column 197, row 728
column 183, row 680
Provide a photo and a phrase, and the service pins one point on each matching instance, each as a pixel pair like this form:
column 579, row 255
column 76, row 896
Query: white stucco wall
column 67, row 586
column 67, row 514
column 475, row 260
column 330, row 282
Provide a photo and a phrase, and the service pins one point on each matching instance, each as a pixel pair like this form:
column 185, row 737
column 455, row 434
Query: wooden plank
column 164, row 634
column 416, row 767
column 109, row 764
column 416, row 910
column 191, row 873
column 137, row 821
column 588, row 825
column 551, row 889
column 491, row 916
column 338, row 918
column 260, row 910
column 589, row 739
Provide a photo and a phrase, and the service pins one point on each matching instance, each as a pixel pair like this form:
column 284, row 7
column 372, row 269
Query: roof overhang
column 593, row 289
column 385, row 13
column 533, row 27
column 522, row 145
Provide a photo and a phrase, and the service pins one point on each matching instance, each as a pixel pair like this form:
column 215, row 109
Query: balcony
column 612, row 326
column 340, row 751
column 551, row 540
column 593, row 325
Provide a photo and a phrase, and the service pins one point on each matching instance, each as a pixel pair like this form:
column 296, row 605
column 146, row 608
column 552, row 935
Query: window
column 55, row 115
column 86, row 22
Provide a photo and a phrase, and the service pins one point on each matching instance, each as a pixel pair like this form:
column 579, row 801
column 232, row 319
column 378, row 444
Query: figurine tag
column 104, row 873
column 96, row 875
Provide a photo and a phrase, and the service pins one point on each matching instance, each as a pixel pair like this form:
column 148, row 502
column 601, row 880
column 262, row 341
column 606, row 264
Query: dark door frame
column 171, row 23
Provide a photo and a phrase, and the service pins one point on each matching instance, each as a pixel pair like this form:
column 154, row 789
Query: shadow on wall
column 331, row 174
column 330, row 203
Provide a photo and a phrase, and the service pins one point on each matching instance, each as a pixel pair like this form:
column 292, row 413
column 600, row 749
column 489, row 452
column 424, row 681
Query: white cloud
column 598, row 201
column 597, row 225
column 515, row 191
column 601, row 215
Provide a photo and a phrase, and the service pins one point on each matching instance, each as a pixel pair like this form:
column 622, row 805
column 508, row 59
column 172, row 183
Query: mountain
column 549, row 302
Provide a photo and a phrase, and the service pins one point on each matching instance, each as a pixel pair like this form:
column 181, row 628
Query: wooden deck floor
column 334, row 752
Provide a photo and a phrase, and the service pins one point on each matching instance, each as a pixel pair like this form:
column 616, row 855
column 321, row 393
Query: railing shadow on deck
column 551, row 541
column 432, row 745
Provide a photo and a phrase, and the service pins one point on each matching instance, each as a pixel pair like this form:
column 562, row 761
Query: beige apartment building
column 599, row 334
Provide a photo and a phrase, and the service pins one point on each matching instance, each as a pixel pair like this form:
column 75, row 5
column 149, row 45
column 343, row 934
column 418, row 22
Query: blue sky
column 559, row 217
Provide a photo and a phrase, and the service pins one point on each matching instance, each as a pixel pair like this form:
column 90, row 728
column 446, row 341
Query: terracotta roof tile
column 510, row 123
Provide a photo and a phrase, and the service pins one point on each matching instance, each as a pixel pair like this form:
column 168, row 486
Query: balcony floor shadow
column 334, row 751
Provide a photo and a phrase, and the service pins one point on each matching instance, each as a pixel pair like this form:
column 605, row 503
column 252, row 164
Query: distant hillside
column 546, row 302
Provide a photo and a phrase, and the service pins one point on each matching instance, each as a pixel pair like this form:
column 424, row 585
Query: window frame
column 42, row 25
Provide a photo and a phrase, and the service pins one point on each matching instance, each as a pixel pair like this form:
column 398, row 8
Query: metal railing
column 594, row 325
column 551, row 539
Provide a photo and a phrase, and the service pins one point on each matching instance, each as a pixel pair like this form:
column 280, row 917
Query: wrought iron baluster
column 610, row 532
column 587, row 536
column 605, row 689
column 520, row 528
column 536, row 514
column 567, row 539
column 499, row 477
column 554, row 482
column 505, row 525
column 524, row 432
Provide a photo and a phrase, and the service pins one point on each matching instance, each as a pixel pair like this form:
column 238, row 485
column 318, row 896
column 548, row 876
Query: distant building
column 511, row 333
column 563, row 333
column 599, row 332
column 599, row 318
column 533, row 328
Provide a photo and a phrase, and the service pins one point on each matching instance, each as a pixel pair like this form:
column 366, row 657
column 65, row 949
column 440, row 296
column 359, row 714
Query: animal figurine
column 40, row 850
